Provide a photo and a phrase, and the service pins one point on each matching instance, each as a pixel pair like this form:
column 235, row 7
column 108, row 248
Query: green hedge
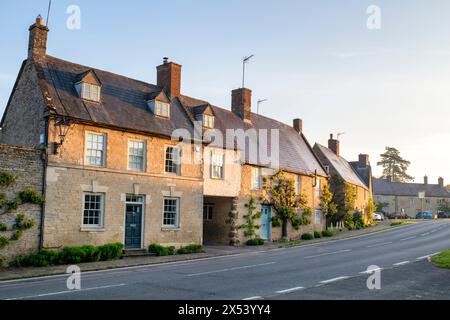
column 318, row 234
column 70, row 255
column 192, row 248
column 327, row 233
column 255, row 242
column 307, row 236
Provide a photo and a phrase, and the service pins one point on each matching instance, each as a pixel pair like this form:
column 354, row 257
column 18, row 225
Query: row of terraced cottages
column 113, row 173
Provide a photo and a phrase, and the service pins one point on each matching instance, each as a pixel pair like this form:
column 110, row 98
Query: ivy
column 23, row 223
column 6, row 179
column 17, row 235
column 3, row 242
column 3, row 227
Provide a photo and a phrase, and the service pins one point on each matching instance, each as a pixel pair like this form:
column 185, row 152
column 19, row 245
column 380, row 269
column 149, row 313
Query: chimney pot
column 333, row 145
column 298, row 125
column 241, row 103
column 169, row 77
column 441, row 182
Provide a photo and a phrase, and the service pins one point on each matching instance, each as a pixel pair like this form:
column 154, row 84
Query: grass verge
column 442, row 260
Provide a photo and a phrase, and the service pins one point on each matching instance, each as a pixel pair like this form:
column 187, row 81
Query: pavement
column 332, row 269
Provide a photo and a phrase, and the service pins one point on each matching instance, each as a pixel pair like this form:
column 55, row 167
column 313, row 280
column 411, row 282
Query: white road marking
column 379, row 244
column 401, row 263
column 66, row 292
column 230, row 269
column 327, row 254
column 371, row 271
column 252, row 298
column 290, row 290
column 408, row 238
column 333, row 280
column 428, row 256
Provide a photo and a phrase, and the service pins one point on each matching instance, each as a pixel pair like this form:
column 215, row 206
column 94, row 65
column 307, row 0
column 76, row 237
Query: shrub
column 52, row 257
column 31, row 260
column 307, row 236
column 396, row 223
column 3, row 227
column 350, row 225
column 30, row 196
column 23, row 223
column 2, row 262
column 160, row 250
column 255, row 242
column 111, row 251
column 318, row 234
column 17, row 235
column 91, row 254
column 327, row 233
column 3, row 201
column 192, row 248
column 6, row 179
column 72, row 255
column 3, row 242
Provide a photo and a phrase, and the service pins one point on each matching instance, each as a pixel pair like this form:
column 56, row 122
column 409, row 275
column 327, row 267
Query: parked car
column 444, row 215
column 398, row 216
column 424, row 215
column 378, row 216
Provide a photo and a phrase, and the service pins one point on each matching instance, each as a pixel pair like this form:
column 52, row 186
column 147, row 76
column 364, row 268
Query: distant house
column 357, row 175
column 410, row 198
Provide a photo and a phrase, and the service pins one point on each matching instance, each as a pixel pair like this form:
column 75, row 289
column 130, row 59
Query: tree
column 394, row 166
column 444, row 206
column 281, row 193
column 328, row 207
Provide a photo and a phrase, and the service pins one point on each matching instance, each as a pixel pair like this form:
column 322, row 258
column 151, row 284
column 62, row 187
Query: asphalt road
column 282, row 273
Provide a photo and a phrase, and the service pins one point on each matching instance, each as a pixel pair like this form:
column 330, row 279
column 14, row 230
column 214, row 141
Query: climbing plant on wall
column 11, row 205
column 250, row 226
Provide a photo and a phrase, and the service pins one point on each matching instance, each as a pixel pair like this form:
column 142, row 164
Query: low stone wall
column 27, row 166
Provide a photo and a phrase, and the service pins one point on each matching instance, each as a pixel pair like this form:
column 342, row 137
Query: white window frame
column 101, row 223
column 87, row 91
column 209, row 213
column 162, row 109
column 177, row 216
column 144, row 155
column 208, row 121
column 256, row 175
column 298, row 185
column 318, row 217
column 318, row 188
column 178, row 165
column 105, row 148
column 215, row 163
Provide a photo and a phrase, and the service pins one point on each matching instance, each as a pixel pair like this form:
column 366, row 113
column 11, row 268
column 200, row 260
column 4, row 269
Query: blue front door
column 265, row 223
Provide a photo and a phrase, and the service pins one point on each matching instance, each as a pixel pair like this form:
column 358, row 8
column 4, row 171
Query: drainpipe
column 44, row 155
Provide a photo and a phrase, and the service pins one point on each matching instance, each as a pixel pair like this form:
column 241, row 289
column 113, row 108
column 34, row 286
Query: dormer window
column 88, row 86
column 162, row 109
column 159, row 104
column 208, row 121
column 90, row 92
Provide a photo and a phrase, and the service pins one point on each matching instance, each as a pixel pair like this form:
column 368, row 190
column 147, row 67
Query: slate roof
column 364, row 172
column 341, row 166
column 124, row 105
column 386, row 188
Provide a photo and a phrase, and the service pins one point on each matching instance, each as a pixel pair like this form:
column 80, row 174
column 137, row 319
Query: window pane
column 95, row 149
column 136, row 155
column 93, row 210
column 170, row 212
column 172, row 160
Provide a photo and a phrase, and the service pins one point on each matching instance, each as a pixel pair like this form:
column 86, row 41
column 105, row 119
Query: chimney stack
column 425, row 180
column 37, row 44
column 441, row 182
column 298, row 125
column 333, row 145
column 169, row 77
column 364, row 160
column 241, row 103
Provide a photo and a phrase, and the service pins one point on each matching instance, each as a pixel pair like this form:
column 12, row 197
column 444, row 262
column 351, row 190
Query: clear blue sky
column 313, row 59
